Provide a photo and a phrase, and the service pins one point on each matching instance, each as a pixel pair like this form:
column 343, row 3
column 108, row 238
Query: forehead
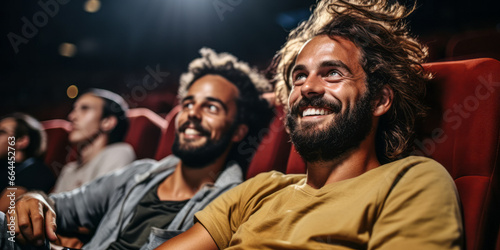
column 90, row 99
column 213, row 86
column 324, row 48
column 8, row 123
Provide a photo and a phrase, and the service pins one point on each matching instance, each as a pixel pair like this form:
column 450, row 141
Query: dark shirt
column 31, row 174
column 150, row 212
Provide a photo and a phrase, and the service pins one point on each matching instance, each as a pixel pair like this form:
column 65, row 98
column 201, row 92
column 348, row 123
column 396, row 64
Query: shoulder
column 69, row 168
column 417, row 166
column 119, row 147
column 420, row 172
column 144, row 168
column 138, row 167
column 40, row 169
column 270, row 182
column 113, row 157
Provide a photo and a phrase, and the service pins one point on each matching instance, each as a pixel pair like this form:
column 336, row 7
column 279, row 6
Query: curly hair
column 253, row 110
column 389, row 55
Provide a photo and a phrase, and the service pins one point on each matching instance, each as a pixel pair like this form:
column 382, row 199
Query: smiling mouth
column 315, row 112
column 191, row 131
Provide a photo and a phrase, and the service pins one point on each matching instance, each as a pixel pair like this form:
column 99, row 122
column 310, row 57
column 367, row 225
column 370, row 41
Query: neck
column 88, row 151
column 20, row 156
column 349, row 165
column 186, row 181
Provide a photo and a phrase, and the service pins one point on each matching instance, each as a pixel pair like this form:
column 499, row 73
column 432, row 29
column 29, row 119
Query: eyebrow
column 211, row 99
column 324, row 64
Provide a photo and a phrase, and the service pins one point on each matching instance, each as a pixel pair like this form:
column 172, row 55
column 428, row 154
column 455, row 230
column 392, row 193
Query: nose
column 194, row 113
column 71, row 115
column 313, row 86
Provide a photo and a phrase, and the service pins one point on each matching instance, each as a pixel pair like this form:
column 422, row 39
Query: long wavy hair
column 389, row 55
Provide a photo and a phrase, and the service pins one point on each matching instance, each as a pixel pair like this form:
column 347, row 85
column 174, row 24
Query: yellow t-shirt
column 407, row 204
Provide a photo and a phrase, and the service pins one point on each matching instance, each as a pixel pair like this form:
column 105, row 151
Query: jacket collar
column 230, row 175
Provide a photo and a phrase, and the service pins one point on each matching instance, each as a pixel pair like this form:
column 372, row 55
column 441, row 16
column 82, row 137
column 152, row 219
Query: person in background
column 353, row 81
column 22, row 145
column 149, row 201
column 98, row 126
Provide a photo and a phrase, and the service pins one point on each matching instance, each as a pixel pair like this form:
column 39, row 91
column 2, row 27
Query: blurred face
column 7, row 129
column 85, row 118
column 330, row 109
column 205, row 125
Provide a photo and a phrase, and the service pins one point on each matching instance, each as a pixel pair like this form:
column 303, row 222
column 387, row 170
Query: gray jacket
column 106, row 205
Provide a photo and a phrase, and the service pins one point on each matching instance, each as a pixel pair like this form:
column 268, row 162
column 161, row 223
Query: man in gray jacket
column 149, row 202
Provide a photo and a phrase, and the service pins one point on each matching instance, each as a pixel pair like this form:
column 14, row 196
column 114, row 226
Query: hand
column 34, row 219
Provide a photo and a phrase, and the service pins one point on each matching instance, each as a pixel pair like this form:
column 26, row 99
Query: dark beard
column 199, row 157
column 343, row 134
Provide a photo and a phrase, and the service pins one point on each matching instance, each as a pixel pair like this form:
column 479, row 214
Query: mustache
column 315, row 101
column 196, row 126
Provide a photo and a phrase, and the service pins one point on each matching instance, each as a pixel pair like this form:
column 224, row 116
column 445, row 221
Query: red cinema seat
column 272, row 152
column 167, row 137
column 144, row 132
column 474, row 44
column 296, row 164
column 462, row 132
column 58, row 146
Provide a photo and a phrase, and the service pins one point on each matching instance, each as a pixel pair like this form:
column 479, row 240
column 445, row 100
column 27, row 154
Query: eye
column 299, row 78
column 84, row 107
column 334, row 75
column 213, row 108
column 187, row 105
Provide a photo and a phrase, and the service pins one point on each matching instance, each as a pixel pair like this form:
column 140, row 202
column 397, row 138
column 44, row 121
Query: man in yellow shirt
column 353, row 81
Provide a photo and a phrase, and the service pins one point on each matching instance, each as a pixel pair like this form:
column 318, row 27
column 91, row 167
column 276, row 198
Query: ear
column 23, row 142
column 109, row 123
column 240, row 132
column 384, row 102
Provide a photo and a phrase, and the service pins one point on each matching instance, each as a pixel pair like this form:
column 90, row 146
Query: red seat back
column 144, row 132
column 272, row 152
column 167, row 137
column 58, row 146
column 296, row 165
column 462, row 132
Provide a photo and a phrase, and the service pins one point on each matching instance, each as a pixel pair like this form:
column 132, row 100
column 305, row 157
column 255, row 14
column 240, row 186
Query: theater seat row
column 462, row 132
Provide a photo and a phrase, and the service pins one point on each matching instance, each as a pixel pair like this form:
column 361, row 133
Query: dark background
column 121, row 43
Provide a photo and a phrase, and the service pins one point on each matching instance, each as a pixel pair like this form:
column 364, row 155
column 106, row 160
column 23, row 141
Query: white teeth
column 312, row 111
column 190, row 131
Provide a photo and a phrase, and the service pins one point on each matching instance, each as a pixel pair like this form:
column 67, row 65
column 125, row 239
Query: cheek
column 179, row 120
column 294, row 95
column 217, row 127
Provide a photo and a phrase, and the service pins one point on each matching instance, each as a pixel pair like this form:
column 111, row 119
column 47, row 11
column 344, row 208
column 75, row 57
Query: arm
column 86, row 205
column 197, row 237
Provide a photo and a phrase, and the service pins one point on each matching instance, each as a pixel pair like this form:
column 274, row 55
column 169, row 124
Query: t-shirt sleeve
column 222, row 217
column 421, row 212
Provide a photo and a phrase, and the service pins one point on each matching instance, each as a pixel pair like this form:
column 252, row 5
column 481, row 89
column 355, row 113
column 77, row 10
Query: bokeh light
column 67, row 49
column 92, row 6
column 72, row 91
